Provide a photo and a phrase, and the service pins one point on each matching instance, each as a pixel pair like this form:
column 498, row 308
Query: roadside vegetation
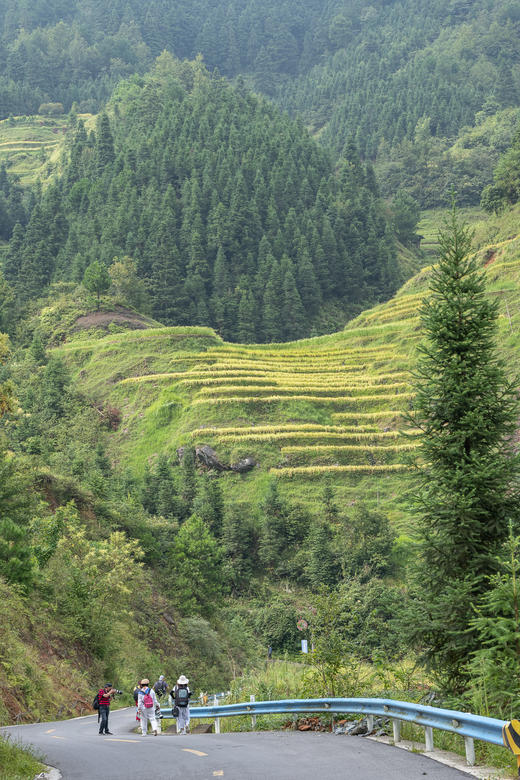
column 18, row 763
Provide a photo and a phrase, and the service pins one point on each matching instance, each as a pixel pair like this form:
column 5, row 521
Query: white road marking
column 55, row 737
column 50, row 731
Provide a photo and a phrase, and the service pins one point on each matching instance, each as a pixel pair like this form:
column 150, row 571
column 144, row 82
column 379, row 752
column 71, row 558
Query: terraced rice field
column 322, row 411
column 333, row 403
column 30, row 146
column 26, row 143
column 328, row 408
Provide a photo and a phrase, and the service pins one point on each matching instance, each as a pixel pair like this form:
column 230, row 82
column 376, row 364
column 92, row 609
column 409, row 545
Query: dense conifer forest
column 404, row 79
column 233, row 215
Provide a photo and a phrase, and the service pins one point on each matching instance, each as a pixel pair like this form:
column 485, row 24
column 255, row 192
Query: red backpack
column 147, row 699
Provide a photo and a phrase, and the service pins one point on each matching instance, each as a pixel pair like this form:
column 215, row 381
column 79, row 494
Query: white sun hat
column 182, row 680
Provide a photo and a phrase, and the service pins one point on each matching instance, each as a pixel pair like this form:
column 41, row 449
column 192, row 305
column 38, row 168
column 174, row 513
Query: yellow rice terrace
column 321, row 411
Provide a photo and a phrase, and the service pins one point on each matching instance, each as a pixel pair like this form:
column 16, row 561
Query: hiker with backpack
column 102, row 700
column 161, row 686
column 146, row 705
column 181, row 697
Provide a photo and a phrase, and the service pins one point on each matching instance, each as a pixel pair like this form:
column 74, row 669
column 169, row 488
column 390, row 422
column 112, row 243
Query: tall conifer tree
column 467, row 411
column 105, row 154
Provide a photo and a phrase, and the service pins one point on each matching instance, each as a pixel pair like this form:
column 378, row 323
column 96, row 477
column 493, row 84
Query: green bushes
column 195, row 577
column 92, row 583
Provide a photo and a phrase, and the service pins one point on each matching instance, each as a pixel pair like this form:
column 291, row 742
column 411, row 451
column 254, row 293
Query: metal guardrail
column 469, row 726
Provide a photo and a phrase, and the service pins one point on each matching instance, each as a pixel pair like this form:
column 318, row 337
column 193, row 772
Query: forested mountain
column 77, row 51
column 197, row 493
column 402, row 77
column 505, row 190
column 233, row 215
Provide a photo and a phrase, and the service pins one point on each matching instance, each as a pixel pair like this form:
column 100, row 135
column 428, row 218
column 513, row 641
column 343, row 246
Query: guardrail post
column 470, row 750
column 370, row 723
column 253, row 717
column 396, row 725
column 217, row 720
column 428, row 738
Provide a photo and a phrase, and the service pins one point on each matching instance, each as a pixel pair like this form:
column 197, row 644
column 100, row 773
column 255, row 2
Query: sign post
column 302, row 625
column 511, row 737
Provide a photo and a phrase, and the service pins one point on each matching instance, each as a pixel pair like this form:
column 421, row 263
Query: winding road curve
column 75, row 747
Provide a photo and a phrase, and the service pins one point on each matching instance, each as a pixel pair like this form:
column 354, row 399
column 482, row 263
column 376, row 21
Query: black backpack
column 95, row 703
column 182, row 697
column 160, row 687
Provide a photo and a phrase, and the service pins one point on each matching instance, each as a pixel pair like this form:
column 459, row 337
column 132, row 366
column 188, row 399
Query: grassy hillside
column 318, row 411
column 29, row 144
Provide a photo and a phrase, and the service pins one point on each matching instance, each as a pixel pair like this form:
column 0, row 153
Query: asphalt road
column 75, row 747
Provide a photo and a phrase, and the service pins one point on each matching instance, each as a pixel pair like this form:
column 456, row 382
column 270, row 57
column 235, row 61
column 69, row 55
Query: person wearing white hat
column 181, row 696
column 146, row 705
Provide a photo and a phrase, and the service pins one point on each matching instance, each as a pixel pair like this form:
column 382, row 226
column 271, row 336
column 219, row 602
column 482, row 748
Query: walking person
column 181, row 695
column 146, row 705
column 161, row 686
column 105, row 696
column 135, row 694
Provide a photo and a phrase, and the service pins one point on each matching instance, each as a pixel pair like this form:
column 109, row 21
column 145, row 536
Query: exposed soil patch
column 490, row 257
column 120, row 316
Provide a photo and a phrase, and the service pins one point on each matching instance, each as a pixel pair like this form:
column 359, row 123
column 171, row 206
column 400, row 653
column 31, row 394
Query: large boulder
column 244, row 465
column 208, row 457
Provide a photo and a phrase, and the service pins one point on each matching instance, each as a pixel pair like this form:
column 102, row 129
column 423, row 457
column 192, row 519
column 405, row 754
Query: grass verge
column 17, row 763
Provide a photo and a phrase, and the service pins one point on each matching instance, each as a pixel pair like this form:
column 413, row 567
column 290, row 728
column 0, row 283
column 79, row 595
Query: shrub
column 51, row 109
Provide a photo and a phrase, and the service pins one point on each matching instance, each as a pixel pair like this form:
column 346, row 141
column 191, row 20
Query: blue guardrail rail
column 466, row 724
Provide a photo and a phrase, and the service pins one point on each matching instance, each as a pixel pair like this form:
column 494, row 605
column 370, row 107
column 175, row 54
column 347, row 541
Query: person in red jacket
column 105, row 696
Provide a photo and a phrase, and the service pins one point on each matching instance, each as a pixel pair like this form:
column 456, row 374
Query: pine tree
column 105, row 153
column 238, row 542
column 169, row 299
column 37, row 348
column 16, row 553
column 294, row 321
column 307, row 284
column 246, row 326
column 322, row 568
column 166, row 492
column 330, row 508
column 495, row 665
column 53, row 389
column 221, row 280
column 188, row 481
column 274, row 531
column 271, row 315
column 209, row 505
column 195, row 565
column 14, row 254
column 467, row 411
column 149, row 490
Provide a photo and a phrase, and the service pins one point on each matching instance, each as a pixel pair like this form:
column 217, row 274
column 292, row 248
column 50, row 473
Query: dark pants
column 103, row 719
